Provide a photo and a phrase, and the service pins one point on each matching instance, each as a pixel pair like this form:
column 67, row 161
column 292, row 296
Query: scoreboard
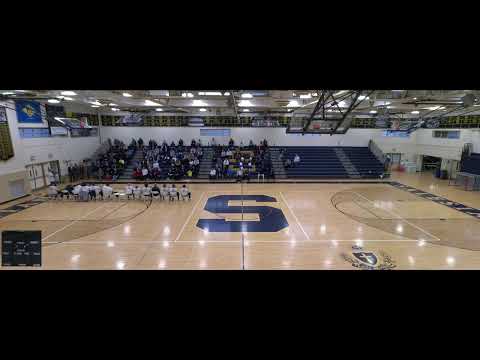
column 21, row 248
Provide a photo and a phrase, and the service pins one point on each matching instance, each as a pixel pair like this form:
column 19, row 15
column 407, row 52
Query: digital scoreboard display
column 21, row 248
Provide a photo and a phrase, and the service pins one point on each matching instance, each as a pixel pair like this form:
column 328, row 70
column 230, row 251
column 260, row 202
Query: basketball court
column 329, row 225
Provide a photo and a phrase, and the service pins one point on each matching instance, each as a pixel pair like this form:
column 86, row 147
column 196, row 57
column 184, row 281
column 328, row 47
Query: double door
column 41, row 175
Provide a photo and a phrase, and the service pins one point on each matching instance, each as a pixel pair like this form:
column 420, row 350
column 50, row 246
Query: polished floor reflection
column 263, row 226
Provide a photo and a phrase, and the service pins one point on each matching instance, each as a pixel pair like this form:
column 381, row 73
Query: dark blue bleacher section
column 323, row 162
column 315, row 162
column 364, row 161
column 472, row 164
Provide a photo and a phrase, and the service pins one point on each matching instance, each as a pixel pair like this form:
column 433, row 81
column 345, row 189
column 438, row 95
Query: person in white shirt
column 213, row 173
column 174, row 193
column 156, row 165
column 129, row 191
column 107, row 191
column 223, row 154
column 137, row 192
column 52, row 191
column 185, row 193
column 229, row 153
column 145, row 173
column 240, row 173
column 296, row 160
column 98, row 191
column 84, row 192
column 164, row 190
column 76, row 191
column 147, row 192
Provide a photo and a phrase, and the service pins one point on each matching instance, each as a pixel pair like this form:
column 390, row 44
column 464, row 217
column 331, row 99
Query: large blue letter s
column 271, row 219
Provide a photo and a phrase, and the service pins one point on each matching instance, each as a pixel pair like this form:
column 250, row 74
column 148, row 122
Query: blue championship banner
column 28, row 112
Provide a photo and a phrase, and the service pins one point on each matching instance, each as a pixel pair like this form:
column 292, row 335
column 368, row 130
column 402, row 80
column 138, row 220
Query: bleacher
column 315, row 162
column 366, row 163
column 323, row 162
column 472, row 164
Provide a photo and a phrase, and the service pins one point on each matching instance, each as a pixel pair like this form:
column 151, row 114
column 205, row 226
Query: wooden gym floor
column 317, row 226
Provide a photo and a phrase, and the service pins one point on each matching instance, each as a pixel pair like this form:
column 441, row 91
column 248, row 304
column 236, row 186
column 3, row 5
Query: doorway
column 38, row 174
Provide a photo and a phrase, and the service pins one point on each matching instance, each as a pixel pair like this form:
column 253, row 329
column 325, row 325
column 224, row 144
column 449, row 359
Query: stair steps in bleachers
column 130, row 167
column 347, row 164
column 277, row 164
column 206, row 163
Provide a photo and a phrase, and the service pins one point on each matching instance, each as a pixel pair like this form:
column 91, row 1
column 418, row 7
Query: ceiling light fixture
column 198, row 103
column 151, row 103
column 226, row 93
column 115, row 109
column 305, row 96
column 95, row 106
column 246, row 110
column 415, row 112
column 158, row 109
column 213, row 93
column 53, row 101
column 127, row 94
column 203, row 109
column 8, row 93
column 373, row 111
column 247, row 96
column 293, row 103
column 314, row 94
column 69, row 93
column 96, row 102
column 245, row 103
column 112, row 104
column 363, row 97
column 68, row 98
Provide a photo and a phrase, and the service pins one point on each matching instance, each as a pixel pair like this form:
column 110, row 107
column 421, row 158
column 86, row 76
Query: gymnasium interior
column 240, row 179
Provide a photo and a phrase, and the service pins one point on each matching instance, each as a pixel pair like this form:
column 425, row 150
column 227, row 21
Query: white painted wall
column 274, row 136
column 59, row 148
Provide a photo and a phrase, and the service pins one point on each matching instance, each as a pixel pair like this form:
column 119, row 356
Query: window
column 396, row 133
column 445, row 134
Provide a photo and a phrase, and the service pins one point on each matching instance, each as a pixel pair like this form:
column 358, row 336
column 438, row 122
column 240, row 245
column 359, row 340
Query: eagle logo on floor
column 368, row 260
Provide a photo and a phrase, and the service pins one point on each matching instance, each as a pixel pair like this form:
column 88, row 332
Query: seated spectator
column 155, row 190
column 240, row 174
column 92, row 193
column 164, row 191
column 173, row 193
column 184, row 192
column 98, row 191
column 52, row 191
column 213, row 174
column 296, row 160
column 129, row 191
column 146, row 191
column 107, row 191
column 144, row 173
column 137, row 192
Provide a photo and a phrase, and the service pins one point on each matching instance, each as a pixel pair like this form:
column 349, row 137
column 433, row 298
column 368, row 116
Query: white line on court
column 398, row 216
column 189, row 217
column 73, row 222
column 294, row 216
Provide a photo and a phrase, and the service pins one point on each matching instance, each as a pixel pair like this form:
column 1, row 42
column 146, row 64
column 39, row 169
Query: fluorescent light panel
column 69, row 93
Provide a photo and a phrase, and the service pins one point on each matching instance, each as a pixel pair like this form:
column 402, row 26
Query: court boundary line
column 294, row 216
column 189, row 217
column 398, row 216
column 128, row 242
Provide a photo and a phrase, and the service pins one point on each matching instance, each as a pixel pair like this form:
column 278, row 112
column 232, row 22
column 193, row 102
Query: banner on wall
column 6, row 145
column 28, row 112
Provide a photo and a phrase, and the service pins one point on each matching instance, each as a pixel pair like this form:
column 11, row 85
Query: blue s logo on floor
column 271, row 219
